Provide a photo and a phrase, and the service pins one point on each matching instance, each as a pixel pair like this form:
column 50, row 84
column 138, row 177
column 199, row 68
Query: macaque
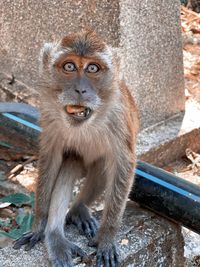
column 90, row 124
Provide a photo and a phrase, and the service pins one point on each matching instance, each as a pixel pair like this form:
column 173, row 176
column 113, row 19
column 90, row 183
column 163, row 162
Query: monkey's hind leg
column 60, row 249
column 79, row 213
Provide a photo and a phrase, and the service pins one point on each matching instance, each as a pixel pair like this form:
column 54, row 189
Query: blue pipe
column 22, row 121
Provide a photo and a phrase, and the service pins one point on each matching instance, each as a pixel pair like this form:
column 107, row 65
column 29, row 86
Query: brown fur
column 85, row 42
column 101, row 147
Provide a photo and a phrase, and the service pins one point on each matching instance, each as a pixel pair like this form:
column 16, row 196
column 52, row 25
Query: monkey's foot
column 107, row 256
column 80, row 216
column 61, row 255
column 28, row 239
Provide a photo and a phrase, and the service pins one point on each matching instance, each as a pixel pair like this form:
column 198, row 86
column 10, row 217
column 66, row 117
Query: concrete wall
column 147, row 34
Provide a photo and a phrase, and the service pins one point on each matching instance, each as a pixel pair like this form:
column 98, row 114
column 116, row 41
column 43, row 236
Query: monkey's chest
column 91, row 145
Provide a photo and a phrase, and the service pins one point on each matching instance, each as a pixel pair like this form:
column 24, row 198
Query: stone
column 147, row 35
column 168, row 140
column 145, row 239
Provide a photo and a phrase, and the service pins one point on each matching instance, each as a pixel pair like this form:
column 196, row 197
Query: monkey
column 90, row 124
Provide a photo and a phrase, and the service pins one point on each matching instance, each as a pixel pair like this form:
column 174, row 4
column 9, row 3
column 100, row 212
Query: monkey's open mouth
column 78, row 112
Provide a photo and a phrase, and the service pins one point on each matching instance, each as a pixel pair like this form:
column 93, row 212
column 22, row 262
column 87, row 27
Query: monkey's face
column 82, row 75
column 83, row 82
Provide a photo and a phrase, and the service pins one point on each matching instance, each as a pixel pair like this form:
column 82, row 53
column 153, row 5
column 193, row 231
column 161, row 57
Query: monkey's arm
column 94, row 185
column 50, row 160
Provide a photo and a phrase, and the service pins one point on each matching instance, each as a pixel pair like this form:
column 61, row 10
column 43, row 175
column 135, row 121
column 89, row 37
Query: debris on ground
column 190, row 24
column 195, row 159
column 16, row 216
column 194, row 5
column 196, row 260
column 190, row 20
column 185, row 169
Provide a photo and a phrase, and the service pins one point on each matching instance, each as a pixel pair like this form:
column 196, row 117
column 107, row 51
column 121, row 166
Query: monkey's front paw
column 29, row 239
column 107, row 256
column 85, row 223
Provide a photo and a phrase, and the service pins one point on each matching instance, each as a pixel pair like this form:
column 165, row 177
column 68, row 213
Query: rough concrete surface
column 16, row 91
column 24, row 30
column 147, row 33
column 152, row 59
column 168, row 140
column 145, row 239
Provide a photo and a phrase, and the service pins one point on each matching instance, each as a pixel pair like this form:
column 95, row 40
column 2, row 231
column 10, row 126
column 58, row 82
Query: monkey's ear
column 44, row 57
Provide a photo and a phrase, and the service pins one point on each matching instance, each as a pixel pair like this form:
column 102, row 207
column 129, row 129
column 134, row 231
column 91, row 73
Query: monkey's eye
column 69, row 66
column 92, row 68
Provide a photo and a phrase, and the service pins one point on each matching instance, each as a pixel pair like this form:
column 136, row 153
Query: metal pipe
column 153, row 188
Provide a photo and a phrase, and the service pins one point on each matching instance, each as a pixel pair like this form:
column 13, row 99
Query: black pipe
column 153, row 188
column 167, row 195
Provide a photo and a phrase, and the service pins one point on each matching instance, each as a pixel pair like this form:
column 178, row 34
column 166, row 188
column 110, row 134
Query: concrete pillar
column 152, row 60
column 147, row 34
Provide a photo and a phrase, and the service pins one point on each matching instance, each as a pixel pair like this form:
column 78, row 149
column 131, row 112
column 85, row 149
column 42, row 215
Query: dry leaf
column 4, row 205
column 124, row 242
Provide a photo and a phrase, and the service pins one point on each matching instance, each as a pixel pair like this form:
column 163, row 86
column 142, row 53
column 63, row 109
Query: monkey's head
column 79, row 72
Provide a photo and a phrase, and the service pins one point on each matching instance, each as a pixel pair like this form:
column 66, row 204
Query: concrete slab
column 168, row 140
column 145, row 239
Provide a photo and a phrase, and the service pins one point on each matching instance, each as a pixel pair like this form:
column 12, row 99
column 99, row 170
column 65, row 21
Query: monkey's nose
column 80, row 91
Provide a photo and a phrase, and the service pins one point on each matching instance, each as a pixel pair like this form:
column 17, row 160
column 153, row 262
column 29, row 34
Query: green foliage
column 19, row 199
column 24, row 218
column 184, row 2
column 6, row 223
column 2, row 176
column 24, row 224
column 5, row 144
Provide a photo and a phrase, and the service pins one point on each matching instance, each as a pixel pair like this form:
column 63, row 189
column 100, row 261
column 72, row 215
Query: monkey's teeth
column 83, row 114
column 80, row 114
column 87, row 112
